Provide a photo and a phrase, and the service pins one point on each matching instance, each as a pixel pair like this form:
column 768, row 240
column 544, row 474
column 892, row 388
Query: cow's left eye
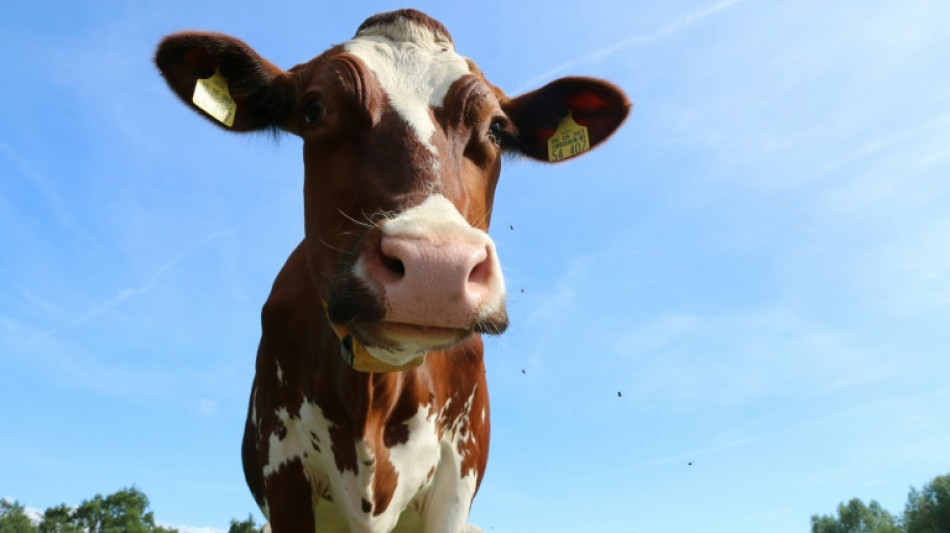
column 314, row 112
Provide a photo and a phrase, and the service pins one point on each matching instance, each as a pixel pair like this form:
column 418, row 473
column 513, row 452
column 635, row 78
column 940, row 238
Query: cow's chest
column 396, row 472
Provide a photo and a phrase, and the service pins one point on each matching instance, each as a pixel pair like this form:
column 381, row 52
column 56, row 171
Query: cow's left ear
column 565, row 108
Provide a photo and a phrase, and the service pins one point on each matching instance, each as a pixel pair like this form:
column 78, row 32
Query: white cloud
column 191, row 529
column 731, row 354
column 35, row 514
column 911, row 274
column 558, row 301
column 681, row 458
column 691, row 359
column 207, row 407
column 793, row 97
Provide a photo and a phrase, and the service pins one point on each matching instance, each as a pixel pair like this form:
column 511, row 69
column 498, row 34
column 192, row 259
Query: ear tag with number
column 570, row 139
column 212, row 96
column 358, row 357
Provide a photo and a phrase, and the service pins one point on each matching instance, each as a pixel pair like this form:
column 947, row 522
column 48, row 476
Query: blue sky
column 759, row 261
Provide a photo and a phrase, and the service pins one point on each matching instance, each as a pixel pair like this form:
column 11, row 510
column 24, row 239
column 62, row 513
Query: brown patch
column 344, row 449
column 385, row 480
column 587, row 102
column 396, row 430
column 289, row 499
column 416, row 17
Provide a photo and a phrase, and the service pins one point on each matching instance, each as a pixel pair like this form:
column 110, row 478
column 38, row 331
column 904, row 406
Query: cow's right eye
column 314, row 112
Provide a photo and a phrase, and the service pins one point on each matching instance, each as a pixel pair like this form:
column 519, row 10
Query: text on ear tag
column 570, row 139
column 212, row 97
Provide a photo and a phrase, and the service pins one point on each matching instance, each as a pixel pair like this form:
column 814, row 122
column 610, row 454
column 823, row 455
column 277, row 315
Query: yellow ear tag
column 212, row 96
column 570, row 139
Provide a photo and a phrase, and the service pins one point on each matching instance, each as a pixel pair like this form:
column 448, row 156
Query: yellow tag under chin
column 212, row 96
column 356, row 355
column 570, row 139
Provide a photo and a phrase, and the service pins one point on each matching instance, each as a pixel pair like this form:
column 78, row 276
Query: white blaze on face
column 415, row 67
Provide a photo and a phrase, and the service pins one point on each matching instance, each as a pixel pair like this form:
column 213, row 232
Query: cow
column 369, row 407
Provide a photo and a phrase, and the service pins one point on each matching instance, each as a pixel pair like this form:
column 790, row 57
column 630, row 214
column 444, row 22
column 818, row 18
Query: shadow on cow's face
column 403, row 140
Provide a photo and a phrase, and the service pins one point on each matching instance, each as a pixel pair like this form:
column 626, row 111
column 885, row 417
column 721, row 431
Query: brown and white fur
column 403, row 141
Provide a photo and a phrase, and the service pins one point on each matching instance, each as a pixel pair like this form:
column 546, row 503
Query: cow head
column 403, row 141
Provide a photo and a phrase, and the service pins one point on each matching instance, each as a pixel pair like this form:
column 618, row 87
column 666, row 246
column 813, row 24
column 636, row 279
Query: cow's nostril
column 481, row 272
column 393, row 265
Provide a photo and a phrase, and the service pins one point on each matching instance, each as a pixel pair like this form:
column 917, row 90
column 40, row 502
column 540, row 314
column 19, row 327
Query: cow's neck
column 369, row 397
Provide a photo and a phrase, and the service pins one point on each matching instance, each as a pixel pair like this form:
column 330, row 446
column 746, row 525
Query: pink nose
column 444, row 283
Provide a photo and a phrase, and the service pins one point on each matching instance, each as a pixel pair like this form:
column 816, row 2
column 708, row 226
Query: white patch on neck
column 415, row 66
column 447, row 499
column 441, row 502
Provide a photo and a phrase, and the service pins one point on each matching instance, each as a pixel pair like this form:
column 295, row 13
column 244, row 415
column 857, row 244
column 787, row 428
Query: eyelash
column 314, row 111
column 499, row 133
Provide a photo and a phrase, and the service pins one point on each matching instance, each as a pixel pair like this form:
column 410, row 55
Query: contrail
column 676, row 26
column 123, row 295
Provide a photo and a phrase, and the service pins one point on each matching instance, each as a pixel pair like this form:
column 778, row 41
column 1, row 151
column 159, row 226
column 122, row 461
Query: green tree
column 245, row 526
column 125, row 511
column 928, row 511
column 855, row 517
column 13, row 518
column 59, row 519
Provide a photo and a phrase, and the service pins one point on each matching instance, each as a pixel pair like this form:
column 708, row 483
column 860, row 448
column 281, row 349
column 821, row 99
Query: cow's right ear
column 225, row 81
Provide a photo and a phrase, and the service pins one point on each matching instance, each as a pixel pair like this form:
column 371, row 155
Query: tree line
column 926, row 511
column 125, row 511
